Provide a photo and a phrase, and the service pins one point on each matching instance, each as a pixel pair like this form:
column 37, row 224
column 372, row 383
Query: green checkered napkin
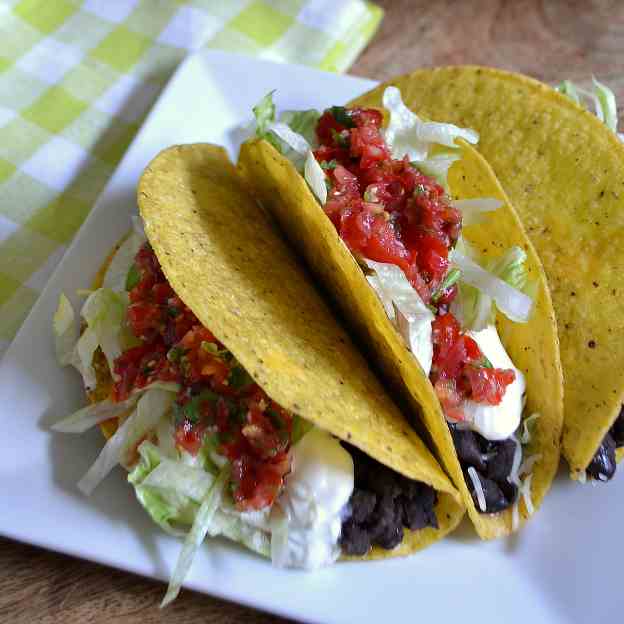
column 76, row 81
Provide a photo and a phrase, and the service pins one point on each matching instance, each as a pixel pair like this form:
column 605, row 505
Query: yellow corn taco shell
column 532, row 347
column 564, row 172
column 225, row 259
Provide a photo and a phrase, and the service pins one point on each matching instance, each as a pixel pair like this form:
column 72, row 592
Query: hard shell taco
column 226, row 387
column 563, row 169
column 410, row 231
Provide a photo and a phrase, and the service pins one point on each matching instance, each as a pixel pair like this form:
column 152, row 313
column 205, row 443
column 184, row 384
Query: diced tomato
column 189, row 437
column 432, row 257
column 488, row 384
column 324, row 127
column 258, row 483
column 384, row 246
column 144, row 319
column 368, row 145
column 366, row 117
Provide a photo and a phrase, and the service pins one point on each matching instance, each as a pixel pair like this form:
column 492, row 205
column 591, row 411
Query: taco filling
column 386, row 193
column 208, row 451
column 604, row 463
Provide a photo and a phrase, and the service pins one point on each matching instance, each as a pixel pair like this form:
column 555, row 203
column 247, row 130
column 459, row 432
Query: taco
column 232, row 395
column 563, row 169
column 458, row 319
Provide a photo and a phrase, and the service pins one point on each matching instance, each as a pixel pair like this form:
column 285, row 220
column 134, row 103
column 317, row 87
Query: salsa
column 218, row 404
column 386, row 210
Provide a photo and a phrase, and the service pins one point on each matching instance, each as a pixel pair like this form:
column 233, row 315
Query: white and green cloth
column 77, row 79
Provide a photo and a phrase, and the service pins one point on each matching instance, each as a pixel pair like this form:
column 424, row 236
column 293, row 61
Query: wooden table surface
column 548, row 39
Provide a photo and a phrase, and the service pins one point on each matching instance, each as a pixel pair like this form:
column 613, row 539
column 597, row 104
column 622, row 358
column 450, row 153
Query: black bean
column 467, row 447
column 383, row 482
column 390, row 537
column 617, row 430
column 382, row 503
column 354, row 540
column 362, row 505
column 602, row 466
column 499, row 466
column 495, row 499
column 417, row 515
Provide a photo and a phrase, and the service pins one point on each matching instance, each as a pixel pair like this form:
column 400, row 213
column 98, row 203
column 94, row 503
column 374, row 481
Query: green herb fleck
column 342, row 116
column 175, row 354
column 339, row 139
column 451, row 277
column 329, row 164
column 239, row 378
column 133, row 277
column 276, row 420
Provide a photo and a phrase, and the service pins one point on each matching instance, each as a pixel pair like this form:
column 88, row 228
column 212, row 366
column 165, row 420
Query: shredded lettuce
column 152, row 406
column 303, row 123
column 264, row 112
column 315, row 177
column 602, row 98
column 608, row 105
column 65, row 331
column 116, row 277
column 169, row 490
column 104, row 312
column 292, row 139
column 94, row 414
column 501, row 283
column 528, row 425
column 568, row 88
column 201, row 525
column 407, row 134
column 82, row 359
column 293, row 135
column 437, row 167
column 405, row 308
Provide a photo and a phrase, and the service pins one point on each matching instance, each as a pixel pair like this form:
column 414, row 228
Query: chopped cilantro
column 329, row 164
column 276, row 420
column 173, row 311
column 133, row 277
column 175, row 354
column 190, row 411
column 239, row 378
column 451, row 277
column 342, row 116
column 339, row 138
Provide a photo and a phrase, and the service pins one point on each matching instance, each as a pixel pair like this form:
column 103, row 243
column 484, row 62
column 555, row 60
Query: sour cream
column 311, row 505
column 496, row 422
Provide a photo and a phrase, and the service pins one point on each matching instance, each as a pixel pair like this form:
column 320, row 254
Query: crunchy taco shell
column 533, row 347
column 564, row 172
column 225, row 259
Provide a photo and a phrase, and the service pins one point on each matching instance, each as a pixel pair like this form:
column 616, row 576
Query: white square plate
column 564, row 567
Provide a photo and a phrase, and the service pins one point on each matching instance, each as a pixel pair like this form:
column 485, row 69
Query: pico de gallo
column 217, row 397
column 387, row 210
